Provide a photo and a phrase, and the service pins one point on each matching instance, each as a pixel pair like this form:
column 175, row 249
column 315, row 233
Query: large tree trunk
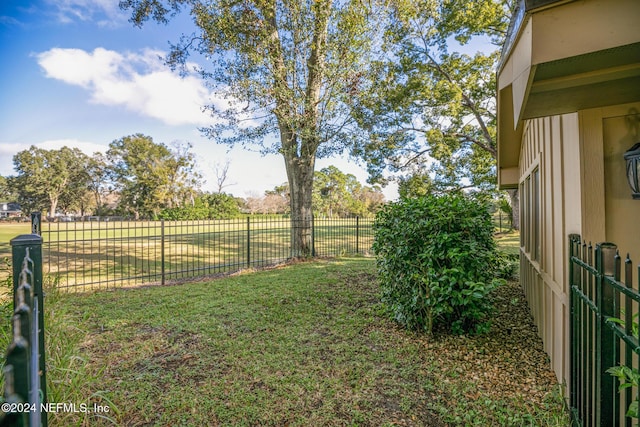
column 514, row 195
column 300, row 176
column 299, row 133
column 53, row 206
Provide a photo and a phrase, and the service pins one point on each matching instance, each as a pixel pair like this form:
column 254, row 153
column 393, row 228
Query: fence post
column 357, row 235
column 628, row 310
column 162, row 265
column 313, row 235
column 36, row 223
column 28, row 247
column 248, row 242
column 574, row 278
column 605, row 335
column 18, row 358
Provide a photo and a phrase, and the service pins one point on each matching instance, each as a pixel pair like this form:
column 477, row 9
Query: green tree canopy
column 6, row 192
column 285, row 70
column 338, row 194
column 433, row 102
column 98, row 186
column 149, row 176
column 46, row 177
column 205, row 206
column 417, row 184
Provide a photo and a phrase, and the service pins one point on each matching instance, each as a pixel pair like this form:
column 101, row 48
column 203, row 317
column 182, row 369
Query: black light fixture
column 632, row 156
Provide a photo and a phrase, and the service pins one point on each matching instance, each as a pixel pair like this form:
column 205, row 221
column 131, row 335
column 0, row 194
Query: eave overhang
column 565, row 57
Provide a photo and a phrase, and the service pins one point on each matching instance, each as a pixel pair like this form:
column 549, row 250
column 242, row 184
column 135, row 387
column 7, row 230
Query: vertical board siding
column 558, row 200
column 571, row 179
column 548, row 198
column 547, row 314
column 547, row 142
column 558, row 339
column 592, row 176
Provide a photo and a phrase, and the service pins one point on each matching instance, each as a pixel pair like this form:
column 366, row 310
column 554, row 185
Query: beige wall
column 610, row 213
column 561, row 63
column 622, row 221
column 584, row 26
column 551, row 146
column 583, row 189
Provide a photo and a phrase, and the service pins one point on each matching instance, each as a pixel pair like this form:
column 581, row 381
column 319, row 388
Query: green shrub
column 205, row 206
column 436, row 261
column 507, row 265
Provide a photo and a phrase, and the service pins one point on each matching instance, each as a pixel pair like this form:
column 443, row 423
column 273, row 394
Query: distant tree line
column 136, row 177
column 140, row 178
column 335, row 194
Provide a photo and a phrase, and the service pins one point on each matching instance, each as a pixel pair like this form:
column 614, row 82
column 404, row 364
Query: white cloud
column 77, row 67
column 140, row 82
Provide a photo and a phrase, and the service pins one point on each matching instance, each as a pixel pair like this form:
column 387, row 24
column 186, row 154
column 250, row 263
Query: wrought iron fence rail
column 585, row 299
column 130, row 253
column 600, row 300
column 180, row 274
column 586, row 266
column 621, row 287
column 631, row 341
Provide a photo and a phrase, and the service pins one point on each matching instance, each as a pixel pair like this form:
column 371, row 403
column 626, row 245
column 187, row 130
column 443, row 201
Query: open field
column 306, row 344
column 9, row 230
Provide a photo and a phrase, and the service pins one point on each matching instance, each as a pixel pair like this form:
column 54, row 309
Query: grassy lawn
column 9, row 230
column 304, row 344
column 509, row 241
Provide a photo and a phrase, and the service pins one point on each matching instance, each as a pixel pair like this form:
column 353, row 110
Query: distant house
column 10, row 210
column 568, row 109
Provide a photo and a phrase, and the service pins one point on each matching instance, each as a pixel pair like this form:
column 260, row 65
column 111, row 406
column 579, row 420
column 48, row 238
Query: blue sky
column 77, row 73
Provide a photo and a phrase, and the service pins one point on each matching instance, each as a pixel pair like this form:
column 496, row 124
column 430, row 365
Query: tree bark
column 300, row 177
column 52, row 207
column 299, row 133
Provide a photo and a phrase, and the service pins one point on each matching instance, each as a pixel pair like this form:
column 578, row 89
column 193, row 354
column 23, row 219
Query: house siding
column 609, row 214
column 568, row 108
column 582, row 189
column 620, row 131
column 551, row 210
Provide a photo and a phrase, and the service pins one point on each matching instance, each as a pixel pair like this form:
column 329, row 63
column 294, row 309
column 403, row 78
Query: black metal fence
column 501, row 221
column 25, row 384
column 104, row 254
column 603, row 334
